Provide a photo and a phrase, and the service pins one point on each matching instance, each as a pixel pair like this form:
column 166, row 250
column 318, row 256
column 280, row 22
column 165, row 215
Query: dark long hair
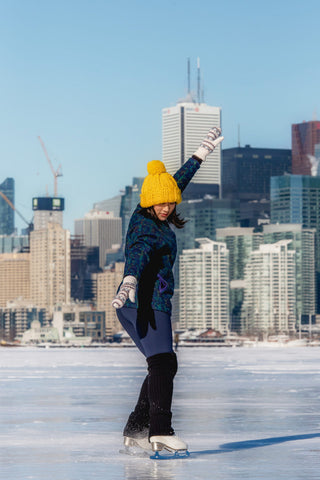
column 173, row 218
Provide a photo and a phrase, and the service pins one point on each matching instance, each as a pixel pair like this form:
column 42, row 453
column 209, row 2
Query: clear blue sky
column 91, row 77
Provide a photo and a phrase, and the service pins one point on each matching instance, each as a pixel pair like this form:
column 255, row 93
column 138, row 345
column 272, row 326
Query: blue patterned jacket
column 151, row 251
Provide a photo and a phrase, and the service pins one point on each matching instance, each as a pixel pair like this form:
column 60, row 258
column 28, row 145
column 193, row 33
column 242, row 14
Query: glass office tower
column 296, row 199
column 6, row 211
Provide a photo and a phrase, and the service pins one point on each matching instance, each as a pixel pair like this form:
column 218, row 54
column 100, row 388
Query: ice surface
column 246, row 414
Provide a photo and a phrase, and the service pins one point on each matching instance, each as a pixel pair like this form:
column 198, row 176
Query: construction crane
column 56, row 173
column 30, row 224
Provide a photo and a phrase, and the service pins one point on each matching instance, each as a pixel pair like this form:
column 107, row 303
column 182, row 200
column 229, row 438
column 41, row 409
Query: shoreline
column 244, row 344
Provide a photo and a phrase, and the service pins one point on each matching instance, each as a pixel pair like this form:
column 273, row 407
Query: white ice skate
column 172, row 443
column 139, row 441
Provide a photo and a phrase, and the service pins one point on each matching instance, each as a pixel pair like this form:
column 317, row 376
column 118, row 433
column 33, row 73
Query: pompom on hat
column 159, row 186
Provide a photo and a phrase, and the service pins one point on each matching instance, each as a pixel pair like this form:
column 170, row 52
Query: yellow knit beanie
column 159, row 186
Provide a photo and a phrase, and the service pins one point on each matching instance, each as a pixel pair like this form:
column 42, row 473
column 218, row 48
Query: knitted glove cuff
column 206, row 148
column 126, row 290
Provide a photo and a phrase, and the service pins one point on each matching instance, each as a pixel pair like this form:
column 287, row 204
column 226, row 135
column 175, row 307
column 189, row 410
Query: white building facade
column 204, row 287
column 269, row 300
column 183, row 128
column 50, row 276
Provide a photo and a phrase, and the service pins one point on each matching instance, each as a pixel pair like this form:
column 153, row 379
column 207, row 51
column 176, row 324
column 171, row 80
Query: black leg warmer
column 162, row 369
column 139, row 418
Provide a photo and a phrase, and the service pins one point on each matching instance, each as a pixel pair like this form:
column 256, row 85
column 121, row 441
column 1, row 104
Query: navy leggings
column 157, row 340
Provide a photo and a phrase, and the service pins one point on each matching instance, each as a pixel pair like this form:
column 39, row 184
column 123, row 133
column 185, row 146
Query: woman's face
column 163, row 210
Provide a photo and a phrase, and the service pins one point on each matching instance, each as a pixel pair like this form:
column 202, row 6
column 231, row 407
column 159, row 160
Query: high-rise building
column 84, row 263
column 107, row 284
column 203, row 217
column 50, row 266
column 246, row 171
column 6, row 211
column 100, row 229
column 204, row 287
column 183, row 128
column 302, row 242
column 14, row 277
column 304, row 138
column 296, row 199
column 269, row 298
column 246, row 174
column 240, row 243
column 47, row 210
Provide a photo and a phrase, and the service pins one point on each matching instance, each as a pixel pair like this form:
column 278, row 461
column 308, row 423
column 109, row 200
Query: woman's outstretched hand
column 126, row 290
column 207, row 146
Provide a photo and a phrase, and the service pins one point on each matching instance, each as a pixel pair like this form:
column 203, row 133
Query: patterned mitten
column 126, row 290
column 209, row 143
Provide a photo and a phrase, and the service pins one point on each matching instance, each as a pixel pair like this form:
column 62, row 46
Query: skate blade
column 177, row 454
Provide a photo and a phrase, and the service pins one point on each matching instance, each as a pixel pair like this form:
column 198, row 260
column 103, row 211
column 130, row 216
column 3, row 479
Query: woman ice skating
column 143, row 301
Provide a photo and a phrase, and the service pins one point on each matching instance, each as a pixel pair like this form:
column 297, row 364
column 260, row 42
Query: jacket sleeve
column 186, row 172
column 140, row 246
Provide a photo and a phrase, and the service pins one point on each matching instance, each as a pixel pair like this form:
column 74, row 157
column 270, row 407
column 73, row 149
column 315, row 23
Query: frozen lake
column 246, row 414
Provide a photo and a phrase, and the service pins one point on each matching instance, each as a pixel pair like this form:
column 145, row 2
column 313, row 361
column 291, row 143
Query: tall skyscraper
column 84, row 263
column 296, row 199
column 269, row 299
column 203, row 217
column 302, row 242
column 246, row 174
column 247, row 171
column 47, row 210
column 241, row 242
column 50, row 266
column 204, row 287
column 100, row 229
column 183, row 128
column 304, row 138
column 6, row 211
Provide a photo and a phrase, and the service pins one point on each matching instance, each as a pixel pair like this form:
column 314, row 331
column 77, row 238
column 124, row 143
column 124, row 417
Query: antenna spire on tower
column 198, row 68
column 189, row 88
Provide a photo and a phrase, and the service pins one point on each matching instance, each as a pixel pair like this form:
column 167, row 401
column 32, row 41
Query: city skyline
column 91, row 78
